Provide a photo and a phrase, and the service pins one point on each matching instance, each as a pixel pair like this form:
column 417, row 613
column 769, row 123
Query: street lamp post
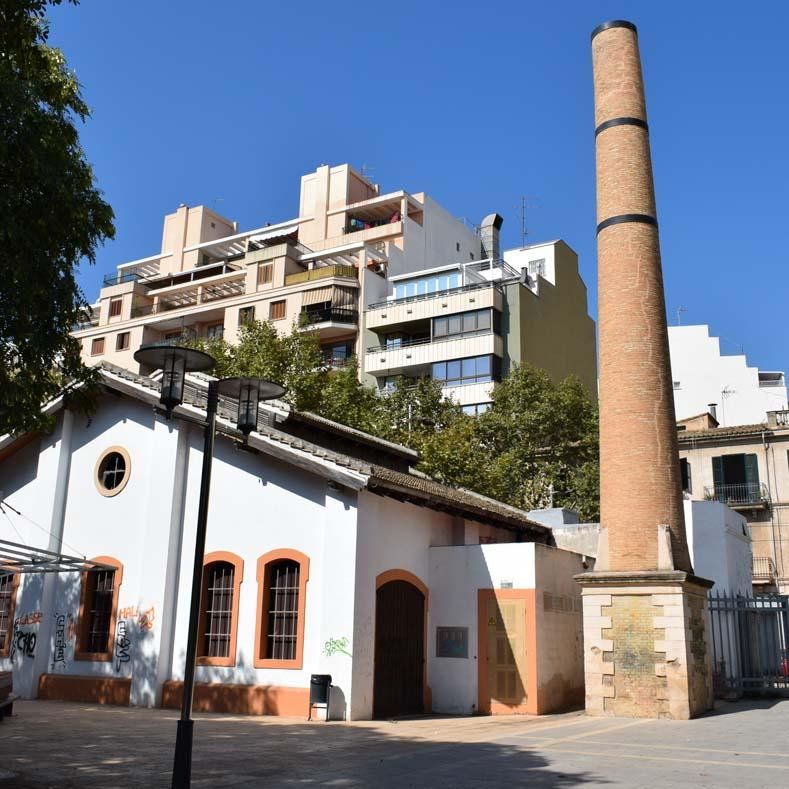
column 175, row 362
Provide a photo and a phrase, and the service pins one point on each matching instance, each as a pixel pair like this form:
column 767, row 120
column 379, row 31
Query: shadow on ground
column 73, row 745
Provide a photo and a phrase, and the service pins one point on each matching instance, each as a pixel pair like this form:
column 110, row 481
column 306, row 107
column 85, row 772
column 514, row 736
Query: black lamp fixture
column 175, row 362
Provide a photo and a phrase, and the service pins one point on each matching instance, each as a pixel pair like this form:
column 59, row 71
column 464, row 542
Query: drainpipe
column 56, row 529
column 770, row 502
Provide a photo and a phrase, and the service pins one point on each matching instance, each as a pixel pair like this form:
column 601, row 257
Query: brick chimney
column 645, row 644
column 640, row 485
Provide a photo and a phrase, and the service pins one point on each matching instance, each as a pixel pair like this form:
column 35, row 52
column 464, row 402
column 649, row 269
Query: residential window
column 464, row 323
column 537, row 267
column 471, row 370
column 736, row 480
column 219, row 609
column 8, row 586
column 687, row 483
column 122, row 341
column 112, row 471
column 97, row 346
column 266, row 274
column 246, row 315
column 98, row 607
column 215, row 332
column 434, row 283
column 282, row 578
column 337, row 355
column 475, row 409
column 276, row 310
column 116, row 305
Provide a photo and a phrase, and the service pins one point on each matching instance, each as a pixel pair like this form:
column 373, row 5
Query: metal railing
column 334, row 270
column 120, row 279
column 738, row 494
column 429, row 341
column 750, row 643
column 778, row 418
column 328, row 315
column 764, row 569
column 155, row 281
column 439, row 294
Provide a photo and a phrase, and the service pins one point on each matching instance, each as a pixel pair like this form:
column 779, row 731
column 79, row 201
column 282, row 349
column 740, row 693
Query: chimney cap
column 614, row 23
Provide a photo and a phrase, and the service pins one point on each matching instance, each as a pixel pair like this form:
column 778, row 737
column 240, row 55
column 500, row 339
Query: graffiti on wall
column 122, row 645
column 145, row 619
column 33, row 618
column 62, row 631
column 23, row 641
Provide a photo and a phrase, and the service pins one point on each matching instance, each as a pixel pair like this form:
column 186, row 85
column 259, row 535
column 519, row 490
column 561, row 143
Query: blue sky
column 477, row 104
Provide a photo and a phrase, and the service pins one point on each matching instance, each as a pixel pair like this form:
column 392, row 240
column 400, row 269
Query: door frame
column 403, row 575
column 484, row 703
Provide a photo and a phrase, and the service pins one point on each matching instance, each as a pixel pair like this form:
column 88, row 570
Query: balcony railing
column 439, row 294
column 335, row 270
column 744, row 494
column 120, row 279
column 764, row 570
column 428, row 340
column 778, row 418
column 329, row 315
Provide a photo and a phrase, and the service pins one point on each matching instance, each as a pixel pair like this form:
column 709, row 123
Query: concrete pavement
column 51, row 744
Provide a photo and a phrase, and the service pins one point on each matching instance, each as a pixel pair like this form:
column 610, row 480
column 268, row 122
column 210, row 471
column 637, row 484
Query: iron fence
column 738, row 494
column 750, row 643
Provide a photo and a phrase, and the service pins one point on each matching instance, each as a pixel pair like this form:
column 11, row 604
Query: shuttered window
column 277, row 310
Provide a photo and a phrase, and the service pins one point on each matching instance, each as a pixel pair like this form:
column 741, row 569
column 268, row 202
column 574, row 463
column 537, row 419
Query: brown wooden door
column 506, row 653
column 398, row 687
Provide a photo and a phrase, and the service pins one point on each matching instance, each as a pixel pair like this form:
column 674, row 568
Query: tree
column 52, row 217
column 536, row 447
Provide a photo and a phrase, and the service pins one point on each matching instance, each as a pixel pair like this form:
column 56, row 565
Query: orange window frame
column 80, row 653
column 238, row 576
column 6, row 650
column 259, row 658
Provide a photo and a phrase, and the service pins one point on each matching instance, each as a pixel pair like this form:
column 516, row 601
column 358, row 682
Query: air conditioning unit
column 380, row 268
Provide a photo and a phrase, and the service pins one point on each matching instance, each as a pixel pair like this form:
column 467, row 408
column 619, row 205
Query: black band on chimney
column 614, row 23
column 621, row 122
column 618, row 220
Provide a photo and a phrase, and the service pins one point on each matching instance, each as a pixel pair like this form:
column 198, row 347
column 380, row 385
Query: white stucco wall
column 703, row 376
column 456, row 574
column 720, row 546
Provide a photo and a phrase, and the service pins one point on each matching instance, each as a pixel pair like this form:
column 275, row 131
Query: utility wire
column 4, row 503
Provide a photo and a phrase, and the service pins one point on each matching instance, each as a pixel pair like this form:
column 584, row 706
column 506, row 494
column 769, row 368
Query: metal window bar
column 750, row 643
column 6, row 589
column 219, row 610
column 113, row 471
column 283, row 611
column 100, row 593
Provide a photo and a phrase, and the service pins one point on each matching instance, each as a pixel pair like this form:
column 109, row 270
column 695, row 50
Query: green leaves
column 52, row 216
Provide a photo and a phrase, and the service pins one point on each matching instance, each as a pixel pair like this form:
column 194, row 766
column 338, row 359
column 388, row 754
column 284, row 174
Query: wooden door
column 505, row 653
column 398, row 687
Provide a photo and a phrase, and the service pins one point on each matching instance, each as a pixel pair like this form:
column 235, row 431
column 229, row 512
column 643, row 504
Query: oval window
column 112, row 471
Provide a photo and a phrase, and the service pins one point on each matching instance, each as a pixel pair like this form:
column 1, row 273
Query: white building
column 325, row 554
column 703, row 376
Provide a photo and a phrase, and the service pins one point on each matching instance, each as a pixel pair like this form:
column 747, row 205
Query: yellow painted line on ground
column 554, row 741
column 732, row 751
column 670, row 759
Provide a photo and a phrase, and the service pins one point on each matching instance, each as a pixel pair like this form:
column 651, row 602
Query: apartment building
column 705, row 378
column 745, row 467
column 317, row 270
column 391, row 278
column 466, row 323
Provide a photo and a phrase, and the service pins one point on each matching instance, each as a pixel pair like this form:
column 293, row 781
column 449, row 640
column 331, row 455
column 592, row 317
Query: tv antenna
column 367, row 170
column 526, row 202
column 680, row 310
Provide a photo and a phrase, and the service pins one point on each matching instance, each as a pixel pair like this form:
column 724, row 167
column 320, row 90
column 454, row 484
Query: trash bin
column 320, row 685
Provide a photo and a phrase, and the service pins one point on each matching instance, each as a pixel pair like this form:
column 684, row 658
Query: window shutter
column 752, row 471
column 717, row 471
column 690, row 479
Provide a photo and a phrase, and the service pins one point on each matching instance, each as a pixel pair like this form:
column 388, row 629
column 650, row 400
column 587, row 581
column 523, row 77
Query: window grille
column 283, row 610
column 112, row 470
column 537, row 267
column 101, row 585
column 6, row 606
column 218, row 618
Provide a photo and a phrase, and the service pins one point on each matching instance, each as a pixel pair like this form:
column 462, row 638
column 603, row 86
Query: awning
column 18, row 558
column 344, row 297
column 316, row 296
column 260, row 238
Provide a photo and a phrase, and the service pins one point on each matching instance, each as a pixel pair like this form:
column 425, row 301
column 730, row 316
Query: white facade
column 702, row 375
column 284, row 495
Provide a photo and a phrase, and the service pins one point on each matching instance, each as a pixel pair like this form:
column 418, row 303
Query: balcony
column 778, row 418
column 742, row 495
column 414, row 355
column 231, row 285
column 323, row 272
column 334, row 315
column 764, row 571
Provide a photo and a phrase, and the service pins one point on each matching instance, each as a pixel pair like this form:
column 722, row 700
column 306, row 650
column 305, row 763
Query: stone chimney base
column 646, row 645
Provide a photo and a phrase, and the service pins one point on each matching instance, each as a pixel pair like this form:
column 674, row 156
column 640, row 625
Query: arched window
column 97, row 609
column 222, row 576
column 8, row 586
column 282, row 588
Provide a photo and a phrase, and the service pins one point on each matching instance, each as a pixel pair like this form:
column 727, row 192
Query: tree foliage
column 536, row 447
column 51, row 216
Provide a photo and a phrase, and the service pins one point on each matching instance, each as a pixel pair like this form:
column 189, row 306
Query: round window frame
column 110, row 492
